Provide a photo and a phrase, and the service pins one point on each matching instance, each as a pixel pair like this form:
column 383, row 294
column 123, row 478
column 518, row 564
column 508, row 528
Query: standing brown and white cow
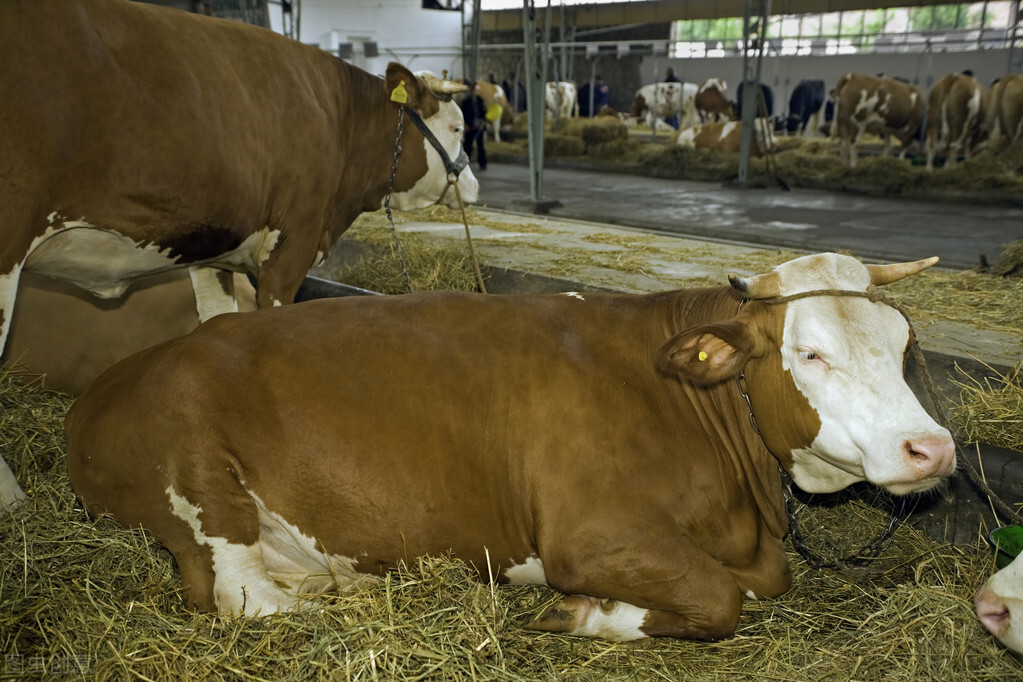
column 1005, row 113
column 956, row 118
column 561, row 100
column 599, row 443
column 666, row 100
column 712, row 102
column 878, row 105
column 136, row 139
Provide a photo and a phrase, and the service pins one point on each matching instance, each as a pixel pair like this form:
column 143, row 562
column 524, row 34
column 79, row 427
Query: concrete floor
column 810, row 220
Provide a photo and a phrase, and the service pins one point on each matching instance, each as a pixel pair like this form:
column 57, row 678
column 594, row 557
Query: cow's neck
column 747, row 448
column 367, row 149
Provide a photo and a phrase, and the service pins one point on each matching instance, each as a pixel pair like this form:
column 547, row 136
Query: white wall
column 403, row 31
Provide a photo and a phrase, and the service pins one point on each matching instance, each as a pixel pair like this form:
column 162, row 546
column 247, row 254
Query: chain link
column 387, row 202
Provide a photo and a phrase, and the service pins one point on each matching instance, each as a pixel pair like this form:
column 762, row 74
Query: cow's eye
column 809, row 355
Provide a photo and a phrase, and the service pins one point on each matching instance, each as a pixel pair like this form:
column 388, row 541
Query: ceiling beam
column 660, row 11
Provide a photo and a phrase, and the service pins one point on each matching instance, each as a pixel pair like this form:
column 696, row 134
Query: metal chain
column 864, row 556
column 387, row 202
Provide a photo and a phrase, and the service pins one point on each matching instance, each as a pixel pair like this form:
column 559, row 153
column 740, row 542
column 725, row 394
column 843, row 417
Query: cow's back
column 171, row 111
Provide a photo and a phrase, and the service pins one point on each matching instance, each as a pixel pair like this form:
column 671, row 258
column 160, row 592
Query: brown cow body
column 137, row 139
column 595, row 442
column 956, row 118
column 1005, row 113
column 712, row 101
column 878, row 105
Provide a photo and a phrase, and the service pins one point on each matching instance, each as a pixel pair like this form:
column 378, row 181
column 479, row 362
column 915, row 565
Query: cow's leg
column 191, row 499
column 224, row 542
column 280, row 277
column 666, row 586
column 214, row 292
column 931, row 144
column 10, row 491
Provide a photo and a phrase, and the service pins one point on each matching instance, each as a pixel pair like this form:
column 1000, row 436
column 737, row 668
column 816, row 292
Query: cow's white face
column 448, row 127
column 1000, row 602
column 845, row 355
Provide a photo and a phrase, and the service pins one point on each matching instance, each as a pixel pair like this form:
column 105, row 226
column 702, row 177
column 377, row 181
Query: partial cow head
column 430, row 98
column 825, row 376
column 999, row 600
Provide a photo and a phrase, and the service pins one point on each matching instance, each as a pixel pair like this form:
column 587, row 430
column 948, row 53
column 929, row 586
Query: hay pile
column 80, row 597
column 1010, row 260
column 991, row 411
column 802, row 162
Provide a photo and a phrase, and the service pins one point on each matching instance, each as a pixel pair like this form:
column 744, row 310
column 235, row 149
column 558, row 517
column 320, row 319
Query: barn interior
column 586, row 205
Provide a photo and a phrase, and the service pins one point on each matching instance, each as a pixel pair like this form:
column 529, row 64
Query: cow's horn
column 757, row 286
column 440, row 85
column 886, row 274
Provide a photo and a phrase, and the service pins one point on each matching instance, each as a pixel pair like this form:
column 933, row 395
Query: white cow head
column 430, row 97
column 1000, row 602
column 845, row 356
column 825, row 376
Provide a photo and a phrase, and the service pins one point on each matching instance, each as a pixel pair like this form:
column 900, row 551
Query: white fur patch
column 575, row 294
column 621, row 623
column 241, row 584
column 529, row 573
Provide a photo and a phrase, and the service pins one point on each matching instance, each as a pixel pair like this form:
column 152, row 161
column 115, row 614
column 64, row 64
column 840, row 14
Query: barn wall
column 403, row 30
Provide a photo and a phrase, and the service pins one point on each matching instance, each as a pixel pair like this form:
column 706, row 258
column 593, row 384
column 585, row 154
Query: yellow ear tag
column 703, row 356
column 399, row 94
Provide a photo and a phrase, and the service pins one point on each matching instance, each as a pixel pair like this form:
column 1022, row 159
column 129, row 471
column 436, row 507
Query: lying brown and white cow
column 712, row 102
column 1005, row 113
column 878, row 105
column 138, row 139
column 956, row 118
column 596, row 442
column 999, row 600
column 727, row 136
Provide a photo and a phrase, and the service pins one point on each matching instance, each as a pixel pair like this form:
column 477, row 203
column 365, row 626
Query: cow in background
column 671, row 99
column 1005, row 112
column 71, row 337
column 805, row 106
column 999, row 605
column 493, row 95
column 764, row 103
column 562, row 100
column 727, row 136
column 882, row 106
column 956, row 118
column 712, row 102
column 138, row 138
column 313, row 446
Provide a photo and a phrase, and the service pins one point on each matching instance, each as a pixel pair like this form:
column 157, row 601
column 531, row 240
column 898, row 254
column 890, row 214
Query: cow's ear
column 707, row 354
column 403, row 86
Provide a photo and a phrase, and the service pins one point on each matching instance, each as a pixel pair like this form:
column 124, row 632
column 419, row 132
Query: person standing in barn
column 474, row 112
